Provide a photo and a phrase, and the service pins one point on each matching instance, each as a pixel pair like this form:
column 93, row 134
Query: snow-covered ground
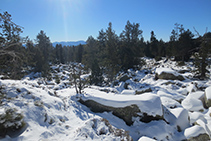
column 52, row 111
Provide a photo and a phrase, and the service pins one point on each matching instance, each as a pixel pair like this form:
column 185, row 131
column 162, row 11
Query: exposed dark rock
column 201, row 137
column 143, row 91
column 169, row 76
column 123, row 78
column 125, row 113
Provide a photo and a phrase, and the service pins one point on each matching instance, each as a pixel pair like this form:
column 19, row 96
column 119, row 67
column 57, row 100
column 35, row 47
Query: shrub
column 57, row 79
column 11, row 122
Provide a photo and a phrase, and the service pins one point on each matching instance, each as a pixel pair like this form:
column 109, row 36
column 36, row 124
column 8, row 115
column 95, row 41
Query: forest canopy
column 108, row 54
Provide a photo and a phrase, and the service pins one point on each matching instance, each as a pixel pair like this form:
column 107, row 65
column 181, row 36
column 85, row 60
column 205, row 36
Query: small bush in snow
column 38, row 103
column 10, row 122
column 57, row 79
column 76, row 78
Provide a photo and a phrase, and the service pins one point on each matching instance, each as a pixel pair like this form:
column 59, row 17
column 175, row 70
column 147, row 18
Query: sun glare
column 68, row 10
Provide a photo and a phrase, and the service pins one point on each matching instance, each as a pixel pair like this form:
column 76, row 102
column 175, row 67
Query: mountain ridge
column 69, row 43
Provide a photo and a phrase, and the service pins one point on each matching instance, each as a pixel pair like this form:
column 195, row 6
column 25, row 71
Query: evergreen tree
column 202, row 58
column 153, row 45
column 30, row 49
column 112, row 61
column 130, row 49
column 185, row 45
column 43, row 53
column 101, row 47
column 91, row 59
column 181, row 43
column 79, row 53
column 59, row 54
column 11, row 50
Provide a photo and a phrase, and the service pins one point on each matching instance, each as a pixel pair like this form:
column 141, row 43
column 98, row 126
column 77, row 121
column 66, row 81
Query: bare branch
column 196, row 32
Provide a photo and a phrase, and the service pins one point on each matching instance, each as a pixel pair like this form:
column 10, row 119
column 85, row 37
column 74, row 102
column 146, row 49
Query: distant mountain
column 70, row 43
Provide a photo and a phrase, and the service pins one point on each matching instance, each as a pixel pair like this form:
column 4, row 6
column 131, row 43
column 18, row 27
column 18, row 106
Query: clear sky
column 73, row 20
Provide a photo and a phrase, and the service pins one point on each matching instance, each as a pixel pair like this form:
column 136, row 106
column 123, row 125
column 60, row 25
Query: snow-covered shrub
column 99, row 128
column 38, row 103
column 10, row 122
column 57, row 79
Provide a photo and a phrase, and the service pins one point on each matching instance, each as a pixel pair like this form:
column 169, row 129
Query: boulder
column 182, row 118
column 144, row 90
column 201, row 137
column 144, row 138
column 196, row 133
column 208, row 96
column 168, row 74
column 126, row 113
column 123, row 78
column 128, row 92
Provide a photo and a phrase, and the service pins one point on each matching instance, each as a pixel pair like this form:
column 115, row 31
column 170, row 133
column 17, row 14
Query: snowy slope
column 52, row 111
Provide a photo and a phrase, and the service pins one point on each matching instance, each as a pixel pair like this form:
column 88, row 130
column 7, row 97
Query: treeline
column 108, row 54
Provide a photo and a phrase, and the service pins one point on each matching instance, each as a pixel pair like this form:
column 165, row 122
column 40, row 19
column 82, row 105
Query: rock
column 208, row 97
column 128, row 92
column 192, row 104
column 196, row 133
column 144, row 138
column 168, row 74
column 201, row 137
column 126, row 113
column 182, row 118
column 144, row 90
column 123, row 78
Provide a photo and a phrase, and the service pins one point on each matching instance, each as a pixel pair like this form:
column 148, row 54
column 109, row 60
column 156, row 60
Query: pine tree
column 79, row 53
column 201, row 58
column 111, row 50
column 130, row 48
column 43, row 53
column 181, row 43
column 91, row 60
column 185, row 45
column 11, row 50
column 153, row 45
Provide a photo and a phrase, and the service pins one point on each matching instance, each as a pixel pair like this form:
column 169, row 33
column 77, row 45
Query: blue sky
column 73, row 20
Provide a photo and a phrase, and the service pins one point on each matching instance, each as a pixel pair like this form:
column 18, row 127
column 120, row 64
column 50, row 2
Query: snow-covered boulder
column 147, row 107
column 143, row 90
column 144, row 138
column 168, row 74
column 196, row 133
column 128, row 92
column 208, row 96
column 182, row 118
column 194, row 116
column 192, row 104
column 123, row 78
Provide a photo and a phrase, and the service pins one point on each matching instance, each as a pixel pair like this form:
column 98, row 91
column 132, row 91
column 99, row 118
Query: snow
column 194, row 131
column 147, row 103
column 52, row 111
column 146, row 139
column 166, row 70
column 192, row 104
column 128, row 92
column 208, row 93
column 181, row 117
